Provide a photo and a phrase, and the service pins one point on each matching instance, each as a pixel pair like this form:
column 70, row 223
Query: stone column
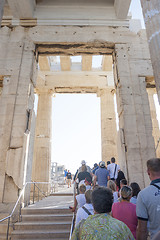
column 155, row 125
column 135, row 126
column 42, row 150
column 17, row 65
column 151, row 13
column 108, row 125
column 2, row 2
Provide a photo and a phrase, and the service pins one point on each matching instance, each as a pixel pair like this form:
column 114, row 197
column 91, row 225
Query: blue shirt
column 102, row 176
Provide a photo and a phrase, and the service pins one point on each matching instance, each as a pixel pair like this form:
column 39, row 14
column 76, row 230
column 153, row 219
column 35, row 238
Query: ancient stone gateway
column 126, row 71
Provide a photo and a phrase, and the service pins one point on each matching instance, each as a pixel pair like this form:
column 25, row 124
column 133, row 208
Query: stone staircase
column 3, row 227
column 43, row 223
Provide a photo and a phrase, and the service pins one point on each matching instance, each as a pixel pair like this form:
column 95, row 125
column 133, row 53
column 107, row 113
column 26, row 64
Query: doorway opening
column 76, row 130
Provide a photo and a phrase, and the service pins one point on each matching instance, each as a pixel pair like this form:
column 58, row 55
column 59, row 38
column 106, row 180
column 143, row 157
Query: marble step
column 37, row 234
column 47, row 217
column 42, row 225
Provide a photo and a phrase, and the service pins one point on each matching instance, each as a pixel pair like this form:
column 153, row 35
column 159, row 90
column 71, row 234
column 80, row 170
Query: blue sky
column 76, row 124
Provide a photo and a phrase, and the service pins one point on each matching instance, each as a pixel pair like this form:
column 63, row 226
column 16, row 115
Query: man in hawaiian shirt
column 101, row 225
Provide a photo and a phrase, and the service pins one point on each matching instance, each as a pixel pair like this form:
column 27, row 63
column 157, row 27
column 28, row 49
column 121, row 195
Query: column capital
column 108, row 90
column 151, row 91
column 45, row 91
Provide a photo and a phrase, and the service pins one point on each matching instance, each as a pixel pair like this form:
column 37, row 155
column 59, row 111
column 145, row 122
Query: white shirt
column 111, row 169
column 81, row 214
column 115, row 197
column 81, row 200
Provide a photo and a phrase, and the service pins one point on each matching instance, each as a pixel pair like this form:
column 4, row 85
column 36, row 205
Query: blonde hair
column 88, row 196
column 111, row 184
column 82, row 188
column 126, row 192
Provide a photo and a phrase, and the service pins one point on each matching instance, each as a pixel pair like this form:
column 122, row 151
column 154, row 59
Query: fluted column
column 108, row 125
column 155, row 125
column 42, row 149
column 151, row 13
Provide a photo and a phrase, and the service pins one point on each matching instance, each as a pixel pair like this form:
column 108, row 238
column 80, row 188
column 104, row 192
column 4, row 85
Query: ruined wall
column 17, row 62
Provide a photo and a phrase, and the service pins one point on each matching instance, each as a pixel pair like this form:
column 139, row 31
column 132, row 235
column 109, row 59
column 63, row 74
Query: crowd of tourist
column 108, row 207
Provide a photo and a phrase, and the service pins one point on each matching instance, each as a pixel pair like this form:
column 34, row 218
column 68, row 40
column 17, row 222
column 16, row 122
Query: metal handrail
column 21, row 194
column 73, row 218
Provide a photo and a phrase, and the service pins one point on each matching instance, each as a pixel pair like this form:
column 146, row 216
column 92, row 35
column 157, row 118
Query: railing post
column 33, row 192
column 20, row 212
column 8, row 228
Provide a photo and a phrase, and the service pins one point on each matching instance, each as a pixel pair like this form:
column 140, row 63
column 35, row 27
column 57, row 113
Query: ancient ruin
column 31, row 34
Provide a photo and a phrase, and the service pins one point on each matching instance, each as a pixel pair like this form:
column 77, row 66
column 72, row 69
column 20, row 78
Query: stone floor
column 56, row 201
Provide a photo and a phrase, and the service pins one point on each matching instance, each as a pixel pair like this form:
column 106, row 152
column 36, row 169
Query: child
column 80, row 199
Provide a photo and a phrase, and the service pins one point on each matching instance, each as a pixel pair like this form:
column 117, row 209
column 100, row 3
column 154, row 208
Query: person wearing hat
column 125, row 211
column 83, row 162
column 101, row 175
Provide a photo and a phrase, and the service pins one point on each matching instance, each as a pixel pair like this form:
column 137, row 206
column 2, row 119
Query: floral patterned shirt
column 101, row 227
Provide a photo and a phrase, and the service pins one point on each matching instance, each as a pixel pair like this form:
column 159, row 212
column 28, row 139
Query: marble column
column 108, row 125
column 42, row 149
column 151, row 13
column 135, row 126
column 155, row 125
column 2, row 2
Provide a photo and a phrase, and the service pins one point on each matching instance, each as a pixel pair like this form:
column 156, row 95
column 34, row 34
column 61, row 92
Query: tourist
column 135, row 190
column 83, row 162
column 80, row 199
column 95, row 168
column 123, row 182
column 119, row 178
column 88, row 183
column 111, row 185
column 82, row 175
column 126, row 211
column 148, row 202
column 101, row 225
column 69, row 178
column 156, row 236
column 101, row 175
column 108, row 162
column 87, row 209
column 65, row 174
column 113, row 169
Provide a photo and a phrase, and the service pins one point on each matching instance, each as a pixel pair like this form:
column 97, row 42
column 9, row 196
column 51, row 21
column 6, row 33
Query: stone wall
column 18, row 65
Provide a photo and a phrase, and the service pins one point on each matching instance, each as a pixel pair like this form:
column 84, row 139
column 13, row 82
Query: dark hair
column 95, row 165
column 119, row 178
column 153, row 164
column 108, row 162
column 123, row 181
column 88, row 196
column 113, row 160
column 135, row 189
column 102, row 199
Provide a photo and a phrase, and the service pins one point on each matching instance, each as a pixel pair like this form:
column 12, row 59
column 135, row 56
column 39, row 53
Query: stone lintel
column 73, row 79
